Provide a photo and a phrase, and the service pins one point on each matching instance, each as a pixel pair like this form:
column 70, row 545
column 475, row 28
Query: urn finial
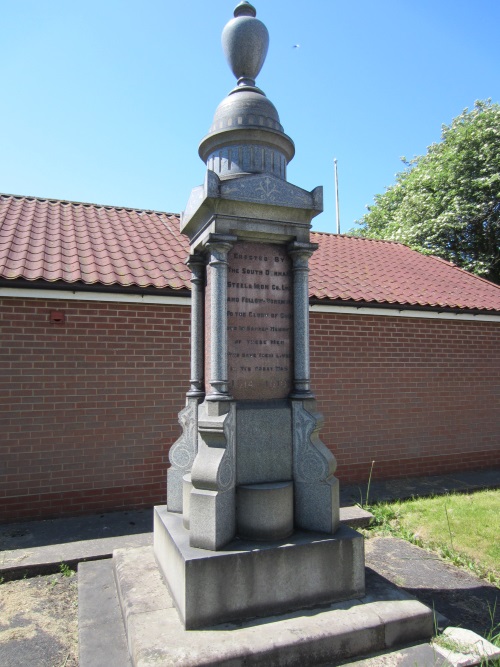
column 246, row 136
column 245, row 41
column 245, row 9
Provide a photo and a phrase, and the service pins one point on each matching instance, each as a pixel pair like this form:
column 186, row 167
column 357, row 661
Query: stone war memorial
column 250, row 563
column 251, row 482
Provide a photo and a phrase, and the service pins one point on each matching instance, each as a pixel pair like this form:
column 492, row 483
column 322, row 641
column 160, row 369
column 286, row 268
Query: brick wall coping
column 108, row 297
column 405, row 312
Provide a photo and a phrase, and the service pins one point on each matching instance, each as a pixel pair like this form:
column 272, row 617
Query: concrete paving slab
column 47, row 559
column 32, row 534
column 102, row 641
column 313, row 636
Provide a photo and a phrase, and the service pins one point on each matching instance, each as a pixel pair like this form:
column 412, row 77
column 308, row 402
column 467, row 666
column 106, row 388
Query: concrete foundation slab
column 383, row 619
column 249, row 579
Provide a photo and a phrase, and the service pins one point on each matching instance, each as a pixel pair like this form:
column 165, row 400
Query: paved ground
column 43, row 623
column 464, row 599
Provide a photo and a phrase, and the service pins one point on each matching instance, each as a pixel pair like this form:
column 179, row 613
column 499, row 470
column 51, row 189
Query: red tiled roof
column 59, row 240
column 350, row 268
column 52, row 240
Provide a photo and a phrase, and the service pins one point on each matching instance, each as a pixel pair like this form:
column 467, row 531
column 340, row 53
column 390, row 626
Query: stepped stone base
column 250, row 579
column 381, row 620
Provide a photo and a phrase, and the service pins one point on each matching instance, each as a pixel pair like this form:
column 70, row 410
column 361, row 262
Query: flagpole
column 337, row 195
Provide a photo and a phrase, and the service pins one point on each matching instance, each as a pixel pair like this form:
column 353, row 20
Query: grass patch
column 462, row 528
column 66, row 571
column 493, row 636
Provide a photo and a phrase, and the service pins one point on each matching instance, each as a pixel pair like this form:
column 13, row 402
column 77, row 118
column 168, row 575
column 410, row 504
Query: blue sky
column 106, row 101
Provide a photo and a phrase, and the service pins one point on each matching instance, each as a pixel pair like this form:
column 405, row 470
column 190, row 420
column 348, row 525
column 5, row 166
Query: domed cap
column 246, row 135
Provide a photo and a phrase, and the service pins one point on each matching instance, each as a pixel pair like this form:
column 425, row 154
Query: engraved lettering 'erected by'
column 260, row 321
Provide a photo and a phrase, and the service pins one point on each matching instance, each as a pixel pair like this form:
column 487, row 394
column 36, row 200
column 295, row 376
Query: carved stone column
column 197, row 265
column 300, row 254
column 218, row 246
column 183, row 451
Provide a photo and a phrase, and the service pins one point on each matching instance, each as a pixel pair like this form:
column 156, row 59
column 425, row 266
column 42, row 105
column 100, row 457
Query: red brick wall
column 417, row 396
column 89, row 407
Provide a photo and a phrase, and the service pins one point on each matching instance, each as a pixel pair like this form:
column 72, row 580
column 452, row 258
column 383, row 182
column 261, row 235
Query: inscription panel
column 260, row 321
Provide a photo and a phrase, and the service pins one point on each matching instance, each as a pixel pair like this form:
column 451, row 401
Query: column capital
column 300, row 253
column 219, row 245
column 196, row 264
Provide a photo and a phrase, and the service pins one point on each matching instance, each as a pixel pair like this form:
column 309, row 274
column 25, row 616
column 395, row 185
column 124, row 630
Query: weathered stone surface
column 465, row 648
column 264, row 441
column 255, row 216
column 212, row 512
column 316, row 489
column 264, row 511
column 101, row 640
column 269, row 189
column 423, row 655
column 260, row 321
column 249, row 579
column 316, row 636
column 182, row 454
column 355, row 517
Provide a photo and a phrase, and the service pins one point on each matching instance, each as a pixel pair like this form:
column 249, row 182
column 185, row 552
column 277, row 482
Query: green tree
column 447, row 202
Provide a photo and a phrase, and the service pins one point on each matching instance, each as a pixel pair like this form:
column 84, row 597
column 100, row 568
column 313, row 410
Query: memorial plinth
column 250, row 464
column 248, row 579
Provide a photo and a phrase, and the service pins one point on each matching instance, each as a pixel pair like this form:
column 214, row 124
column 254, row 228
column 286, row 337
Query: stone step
column 386, row 617
column 101, row 634
column 355, row 517
column 103, row 640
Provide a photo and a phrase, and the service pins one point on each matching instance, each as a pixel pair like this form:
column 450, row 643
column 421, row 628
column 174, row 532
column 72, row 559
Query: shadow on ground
column 31, row 534
column 464, row 599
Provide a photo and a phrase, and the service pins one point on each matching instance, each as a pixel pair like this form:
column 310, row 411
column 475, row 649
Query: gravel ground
column 39, row 619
